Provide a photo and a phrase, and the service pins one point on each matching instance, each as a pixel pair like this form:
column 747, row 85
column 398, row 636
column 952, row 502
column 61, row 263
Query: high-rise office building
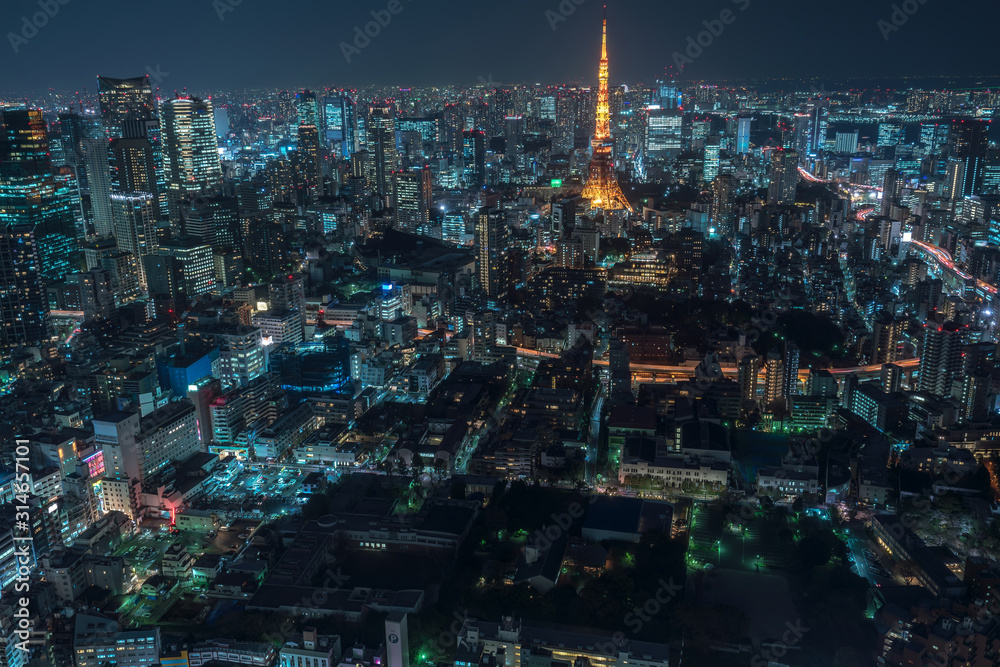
column 196, row 263
column 382, row 145
column 410, row 202
column 790, row 382
column 710, row 165
column 30, row 194
column 813, row 136
column 664, row 128
column 474, row 158
column 784, row 177
column 308, row 111
column 774, row 379
column 847, row 142
column 886, row 332
column 23, row 311
column 311, row 159
column 134, row 224
column 941, row 360
column 724, row 204
column 747, row 372
column 95, row 155
column 215, row 220
column 743, row 128
column 136, row 161
column 968, row 142
column 340, row 125
column 191, row 163
column 124, row 100
column 620, row 369
column 492, row 252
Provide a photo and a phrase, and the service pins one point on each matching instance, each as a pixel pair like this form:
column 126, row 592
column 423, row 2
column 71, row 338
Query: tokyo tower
column 602, row 187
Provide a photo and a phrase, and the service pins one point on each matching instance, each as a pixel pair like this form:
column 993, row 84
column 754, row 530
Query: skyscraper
column 774, row 379
column 190, row 151
column 409, row 200
column 743, row 125
column 136, row 160
column 134, row 217
column 790, row 382
column 886, row 331
column 664, row 128
column 30, row 194
column 124, row 100
column 23, row 314
column 710, row 167
column 95, row 147
column 784, row 177
column 724, row 204
column 340, row 125
column 382, row 144
column 941, row 356
column 308, row 109
column 310, row 159
column 474, row 158
column 747, row 372
column 967, row 145
column 602, row 185
column 492, row 241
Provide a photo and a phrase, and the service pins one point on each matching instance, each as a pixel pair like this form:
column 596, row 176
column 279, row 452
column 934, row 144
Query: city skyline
column 647, row 366
column 772, row 41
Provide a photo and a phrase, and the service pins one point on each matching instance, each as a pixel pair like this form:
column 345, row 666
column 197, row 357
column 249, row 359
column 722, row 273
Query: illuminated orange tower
column 602, row 187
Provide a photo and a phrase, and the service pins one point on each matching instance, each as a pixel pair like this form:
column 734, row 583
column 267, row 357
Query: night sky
column 296, row 43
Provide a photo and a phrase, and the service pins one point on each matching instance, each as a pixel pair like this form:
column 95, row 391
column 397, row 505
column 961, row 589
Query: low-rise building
column 177, row 562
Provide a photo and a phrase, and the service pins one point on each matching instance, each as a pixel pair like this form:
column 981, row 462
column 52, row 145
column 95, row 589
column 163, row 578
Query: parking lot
column 255, row 493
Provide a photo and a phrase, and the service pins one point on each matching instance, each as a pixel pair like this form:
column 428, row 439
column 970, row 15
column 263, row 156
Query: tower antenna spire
column 602, row 187
column 604, row 40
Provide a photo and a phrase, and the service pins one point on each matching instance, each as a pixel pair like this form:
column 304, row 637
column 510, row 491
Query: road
column 593, row 439
column 943, row 258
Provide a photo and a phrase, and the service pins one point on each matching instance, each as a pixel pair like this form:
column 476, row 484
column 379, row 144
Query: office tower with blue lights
column 340, row 125
column 31, row 196
column 307, row 108
column 710, row 165
column 474, row 158
column 743, row 128
column 191, row 164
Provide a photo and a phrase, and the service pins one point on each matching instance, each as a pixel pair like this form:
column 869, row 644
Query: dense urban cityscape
column 596, row 374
